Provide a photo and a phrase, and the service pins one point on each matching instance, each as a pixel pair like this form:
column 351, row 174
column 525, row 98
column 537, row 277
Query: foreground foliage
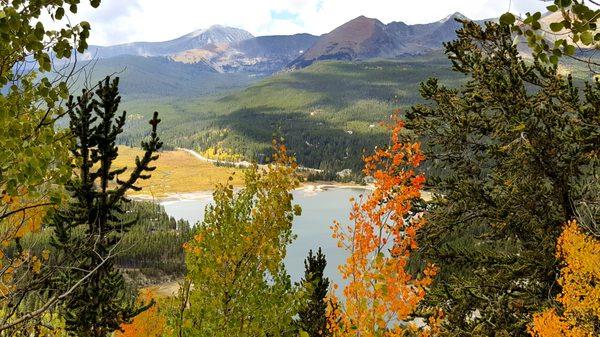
column 381, row 294
column 579, row 311
column 150, row 323
column 573, row 33
column 312, row 317
column 239, row 285
column 33, row 155
column 88, row 231
column 513, row 153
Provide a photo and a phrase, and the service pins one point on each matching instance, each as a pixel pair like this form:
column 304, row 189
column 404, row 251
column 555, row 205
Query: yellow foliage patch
column 580, row 297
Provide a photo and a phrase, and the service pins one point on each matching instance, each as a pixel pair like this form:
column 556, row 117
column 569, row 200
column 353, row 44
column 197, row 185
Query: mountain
column 198, row 39
column 159, row 76
column 263, row 54
column 359, row 38
column 232, row 50
column 364, row 38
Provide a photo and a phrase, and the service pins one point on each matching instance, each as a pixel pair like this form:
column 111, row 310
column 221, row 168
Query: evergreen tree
column 312, row 318
column 508, row 153
column 88, row 231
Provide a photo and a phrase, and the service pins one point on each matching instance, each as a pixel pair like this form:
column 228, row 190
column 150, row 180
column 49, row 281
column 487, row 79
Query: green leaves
column 577, row 25
column 587, row 37
column 34, row 156
column 569, row 50
column 60, row 12
column 239, row 249
column 507, row 19
column 563, row 3
column 557, row 26
column 525, row 120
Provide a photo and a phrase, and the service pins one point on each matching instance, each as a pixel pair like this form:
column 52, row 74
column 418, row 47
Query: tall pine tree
column 312, row 318
column 509, row 151
column 88, row 231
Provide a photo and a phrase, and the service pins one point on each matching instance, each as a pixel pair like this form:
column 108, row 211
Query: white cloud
column 121, row 21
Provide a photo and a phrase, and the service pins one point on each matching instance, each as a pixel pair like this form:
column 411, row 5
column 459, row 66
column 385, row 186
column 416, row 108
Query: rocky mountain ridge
column 216, row 34
column 233, row 50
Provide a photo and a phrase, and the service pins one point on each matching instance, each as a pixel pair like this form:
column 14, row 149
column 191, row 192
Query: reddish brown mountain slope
column 364, row 38
column 358, row 38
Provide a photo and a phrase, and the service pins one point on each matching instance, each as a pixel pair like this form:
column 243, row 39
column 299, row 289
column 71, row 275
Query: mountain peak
column 362, row 19
column 359, row 37
column 453, row 16
column 239, row 34
column 214, row 35
column 197, row 32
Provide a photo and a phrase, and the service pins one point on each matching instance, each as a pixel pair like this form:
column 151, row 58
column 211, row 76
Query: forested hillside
column 150, row 252
column 153, row 77
column 328, row 113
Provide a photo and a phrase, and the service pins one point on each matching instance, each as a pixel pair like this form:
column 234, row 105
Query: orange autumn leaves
column 149, row 323
column 580, row 297
column 381, row 294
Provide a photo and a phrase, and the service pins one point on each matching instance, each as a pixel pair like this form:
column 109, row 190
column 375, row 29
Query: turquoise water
column 319, row 210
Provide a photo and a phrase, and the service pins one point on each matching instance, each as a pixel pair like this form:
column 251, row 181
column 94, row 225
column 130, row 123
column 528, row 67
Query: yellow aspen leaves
column 579, row 301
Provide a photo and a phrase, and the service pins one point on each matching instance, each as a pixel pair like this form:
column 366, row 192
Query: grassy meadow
column 178, row 172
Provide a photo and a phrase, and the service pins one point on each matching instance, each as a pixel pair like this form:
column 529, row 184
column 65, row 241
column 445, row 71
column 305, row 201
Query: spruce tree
column 312, row 318
column 510, row 152
column 87, row 232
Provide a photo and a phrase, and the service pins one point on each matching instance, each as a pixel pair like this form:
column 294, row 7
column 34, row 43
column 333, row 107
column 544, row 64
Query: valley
column 221, row 90
column 328, row 113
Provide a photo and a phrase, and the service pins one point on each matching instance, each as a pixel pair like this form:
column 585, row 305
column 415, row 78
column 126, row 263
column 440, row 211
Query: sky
column 123, row 21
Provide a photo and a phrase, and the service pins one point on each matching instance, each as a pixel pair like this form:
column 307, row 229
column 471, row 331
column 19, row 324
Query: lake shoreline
column 309, row 187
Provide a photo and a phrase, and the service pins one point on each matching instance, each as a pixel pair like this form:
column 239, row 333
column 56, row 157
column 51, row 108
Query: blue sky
column 122, row 21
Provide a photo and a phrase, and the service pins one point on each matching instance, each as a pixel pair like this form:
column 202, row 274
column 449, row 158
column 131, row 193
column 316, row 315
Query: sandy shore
column 328, row 185
column 310, row 187
column 173, row 196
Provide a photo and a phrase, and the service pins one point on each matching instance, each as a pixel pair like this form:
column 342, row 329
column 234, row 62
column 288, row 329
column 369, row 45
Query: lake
column 319, row 210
